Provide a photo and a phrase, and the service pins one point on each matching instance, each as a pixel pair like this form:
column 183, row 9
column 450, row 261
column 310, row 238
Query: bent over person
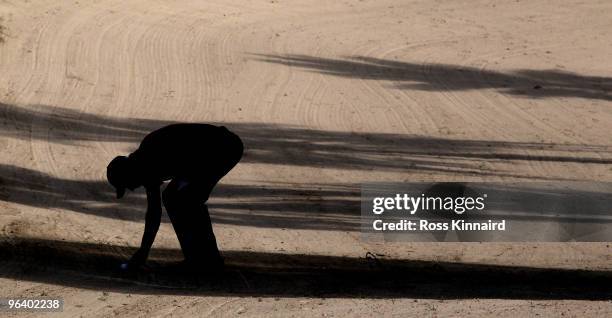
column 194, row 157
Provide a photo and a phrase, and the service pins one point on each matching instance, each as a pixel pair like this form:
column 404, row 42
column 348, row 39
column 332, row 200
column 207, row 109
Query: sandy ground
column 326, row 95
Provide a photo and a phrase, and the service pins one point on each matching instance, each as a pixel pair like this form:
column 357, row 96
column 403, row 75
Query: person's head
column 121, row 174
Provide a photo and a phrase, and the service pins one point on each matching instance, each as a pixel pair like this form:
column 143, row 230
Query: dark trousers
column 185, row 201
column 191, row 222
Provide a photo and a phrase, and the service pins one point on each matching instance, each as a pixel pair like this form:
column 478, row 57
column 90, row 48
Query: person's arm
column 152, row 221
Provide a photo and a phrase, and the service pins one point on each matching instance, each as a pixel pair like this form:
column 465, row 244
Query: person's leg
column 191, row 221
column 185, row 200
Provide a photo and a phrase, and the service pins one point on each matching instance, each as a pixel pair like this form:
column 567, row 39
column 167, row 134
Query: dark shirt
column 189, row 151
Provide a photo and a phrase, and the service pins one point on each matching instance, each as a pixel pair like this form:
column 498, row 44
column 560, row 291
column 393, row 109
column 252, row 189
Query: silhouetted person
column 194, row 157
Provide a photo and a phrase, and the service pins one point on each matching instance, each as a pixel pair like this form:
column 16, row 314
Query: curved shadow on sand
column 446, row 77
column 297, row 146
column 329, row 207
column 321, row 207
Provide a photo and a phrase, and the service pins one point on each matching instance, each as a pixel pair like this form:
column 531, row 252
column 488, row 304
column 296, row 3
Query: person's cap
column 116, row 173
